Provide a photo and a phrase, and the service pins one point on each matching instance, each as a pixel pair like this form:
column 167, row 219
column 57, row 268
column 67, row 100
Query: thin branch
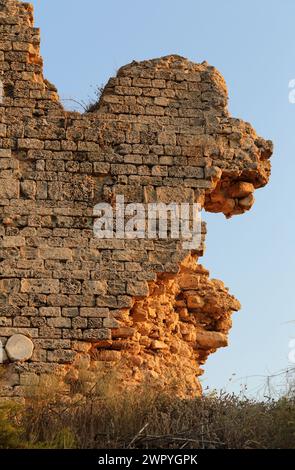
column 137, row 435
column 83, row 105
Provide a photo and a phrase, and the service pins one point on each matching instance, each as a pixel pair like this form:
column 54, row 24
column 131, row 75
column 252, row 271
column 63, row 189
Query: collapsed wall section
column 70, row 302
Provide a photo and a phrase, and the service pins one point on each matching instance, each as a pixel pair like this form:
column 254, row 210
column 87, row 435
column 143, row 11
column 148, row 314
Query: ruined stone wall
column 71, row 303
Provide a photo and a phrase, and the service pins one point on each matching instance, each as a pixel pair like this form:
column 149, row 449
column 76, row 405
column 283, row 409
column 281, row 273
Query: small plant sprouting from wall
column 93, row 102
column 93, row 105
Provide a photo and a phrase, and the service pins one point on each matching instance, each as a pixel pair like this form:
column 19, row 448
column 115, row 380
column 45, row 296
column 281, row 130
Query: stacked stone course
column 161, row 132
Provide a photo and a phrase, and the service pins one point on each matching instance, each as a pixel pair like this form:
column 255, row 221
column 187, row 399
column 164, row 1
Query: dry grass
column 93, row 104
column 143, row 418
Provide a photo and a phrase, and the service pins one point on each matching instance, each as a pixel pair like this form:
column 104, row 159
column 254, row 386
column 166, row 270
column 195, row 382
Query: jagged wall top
column 160, row 132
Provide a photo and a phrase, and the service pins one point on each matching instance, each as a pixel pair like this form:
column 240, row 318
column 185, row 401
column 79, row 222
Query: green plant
column 10, row 426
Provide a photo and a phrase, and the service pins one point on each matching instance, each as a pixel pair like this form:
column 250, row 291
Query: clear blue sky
column 252, row 43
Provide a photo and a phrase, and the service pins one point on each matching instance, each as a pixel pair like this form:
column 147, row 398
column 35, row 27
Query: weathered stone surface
column 241, row 189
column 156, row 344
column 3, row 355
column 40, row 286
column 194, row 301
column 211, row 339
column 19, row 348
column 161, row 132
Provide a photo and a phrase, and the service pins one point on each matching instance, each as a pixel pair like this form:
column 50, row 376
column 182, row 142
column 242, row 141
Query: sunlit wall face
column 252, row 44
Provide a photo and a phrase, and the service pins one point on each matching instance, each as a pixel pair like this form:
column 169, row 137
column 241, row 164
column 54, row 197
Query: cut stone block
column 19, row 348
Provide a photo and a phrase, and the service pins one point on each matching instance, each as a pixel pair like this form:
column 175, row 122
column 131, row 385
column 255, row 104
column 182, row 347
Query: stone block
column 40, row 286
column 211, row 339
column 9, row 188
column 19, row 348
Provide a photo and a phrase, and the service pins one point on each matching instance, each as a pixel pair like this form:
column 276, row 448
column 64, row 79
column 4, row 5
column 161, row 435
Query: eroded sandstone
column 161, row 132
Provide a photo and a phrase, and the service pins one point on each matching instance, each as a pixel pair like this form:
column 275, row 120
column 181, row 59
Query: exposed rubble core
column 69, row 302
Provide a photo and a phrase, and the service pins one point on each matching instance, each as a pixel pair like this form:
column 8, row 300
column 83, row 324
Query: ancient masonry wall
column 70, row 303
